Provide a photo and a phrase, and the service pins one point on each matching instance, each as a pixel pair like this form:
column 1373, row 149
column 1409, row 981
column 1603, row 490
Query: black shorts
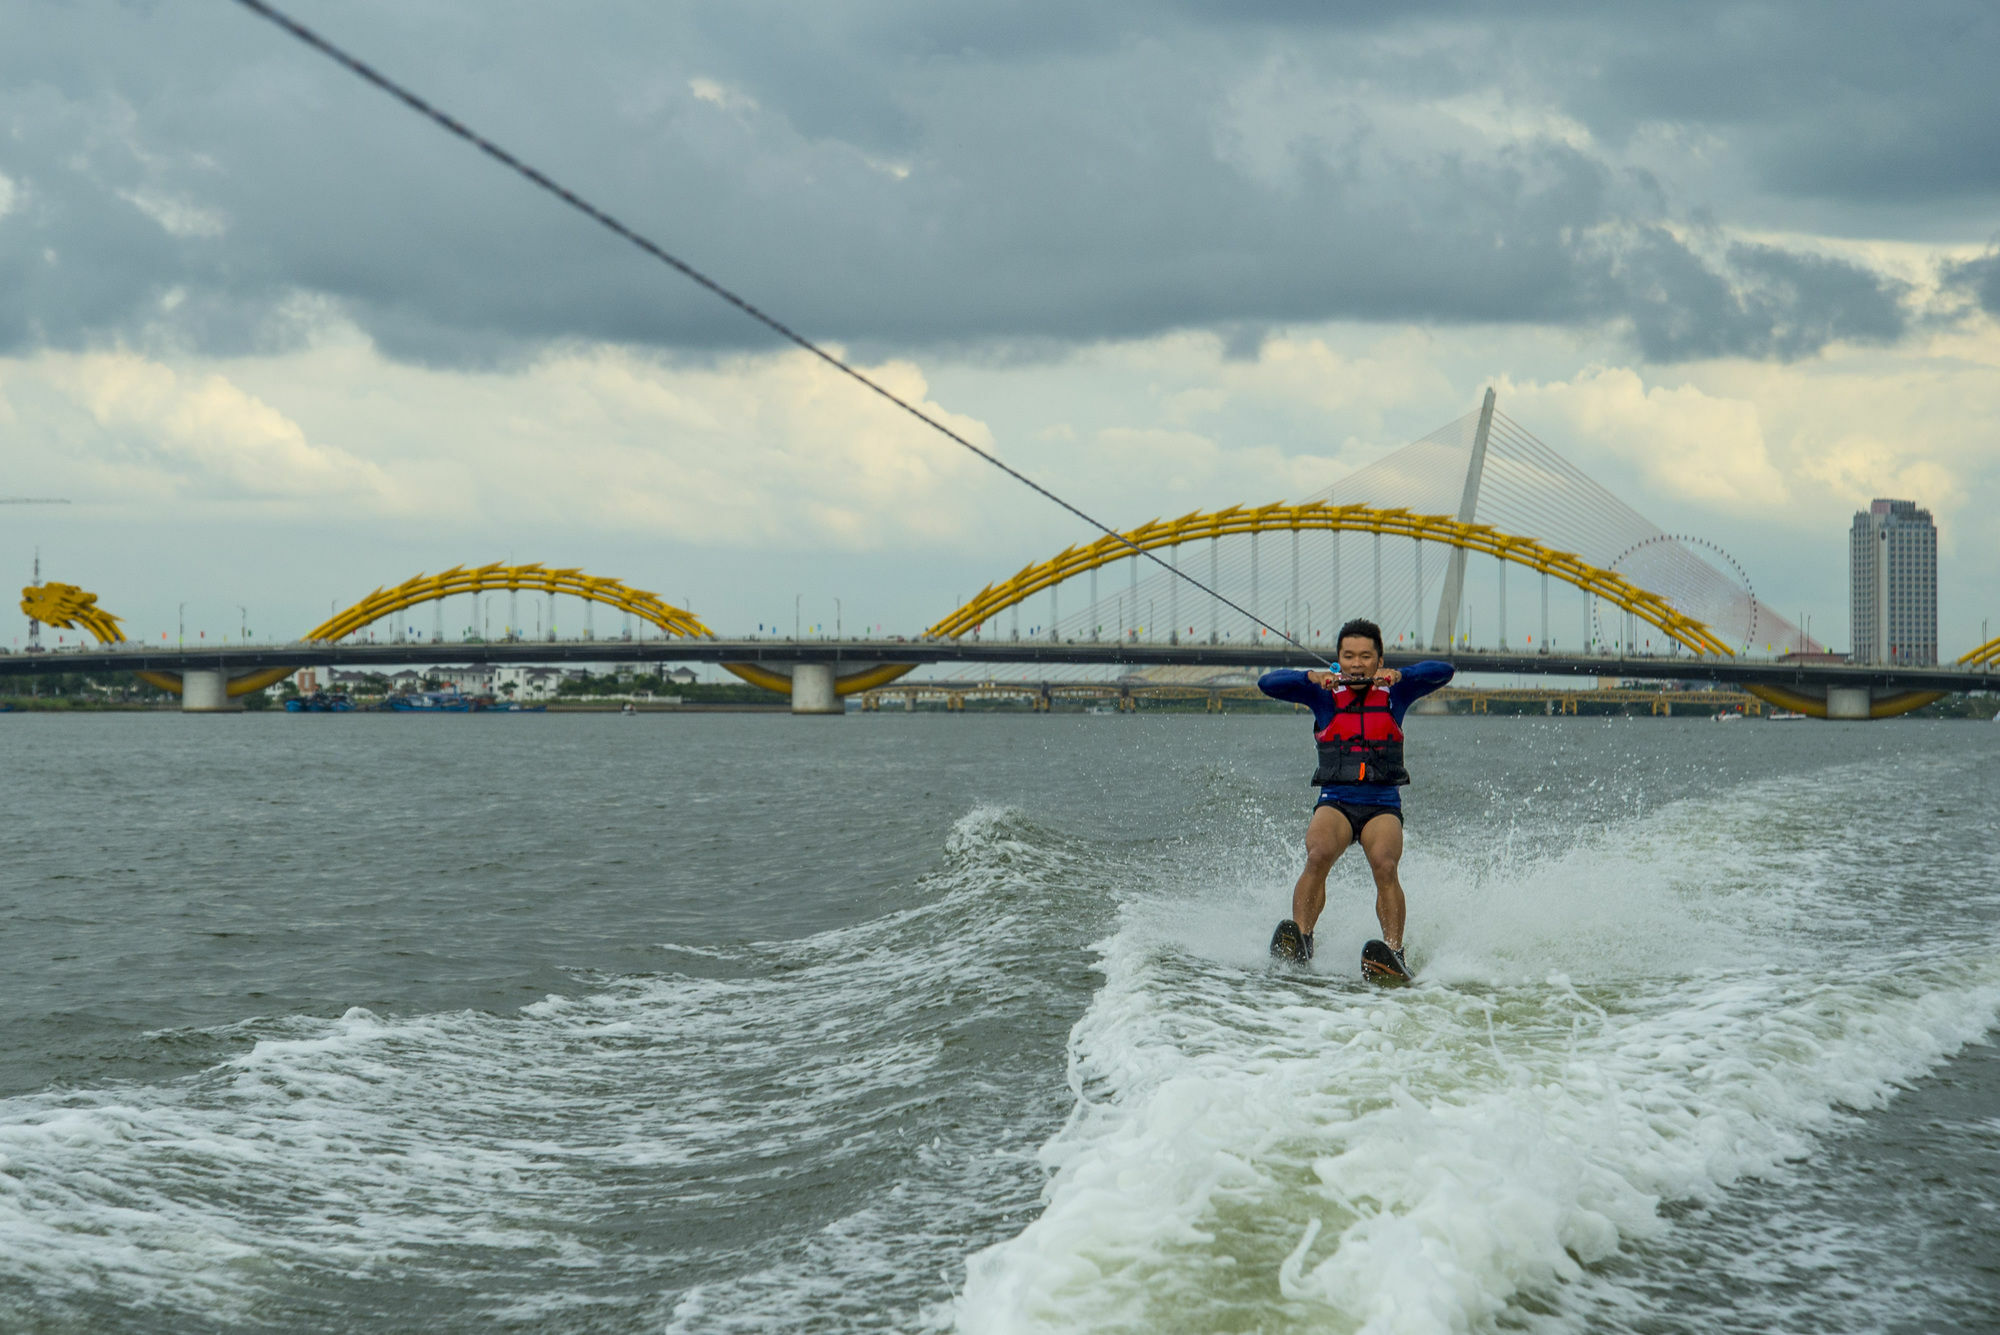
column 1358, row 816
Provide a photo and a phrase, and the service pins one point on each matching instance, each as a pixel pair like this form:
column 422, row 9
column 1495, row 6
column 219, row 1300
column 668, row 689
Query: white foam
column 1257, row 1150
column 368, row 1148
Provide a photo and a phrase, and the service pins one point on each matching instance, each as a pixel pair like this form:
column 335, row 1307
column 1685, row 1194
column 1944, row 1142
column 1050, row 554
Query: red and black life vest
column 1363, row 743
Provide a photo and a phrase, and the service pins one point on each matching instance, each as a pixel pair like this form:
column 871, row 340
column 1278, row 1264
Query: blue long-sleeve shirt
column 1418, row 680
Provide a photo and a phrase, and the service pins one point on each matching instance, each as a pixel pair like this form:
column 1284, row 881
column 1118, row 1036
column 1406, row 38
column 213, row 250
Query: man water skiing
column 1358, row 723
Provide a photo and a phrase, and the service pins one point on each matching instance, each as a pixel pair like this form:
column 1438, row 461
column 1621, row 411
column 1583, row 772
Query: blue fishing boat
column 429, row 702
column 320, row 702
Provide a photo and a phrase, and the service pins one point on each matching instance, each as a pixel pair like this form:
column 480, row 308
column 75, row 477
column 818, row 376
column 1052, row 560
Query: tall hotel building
column 1892, row 584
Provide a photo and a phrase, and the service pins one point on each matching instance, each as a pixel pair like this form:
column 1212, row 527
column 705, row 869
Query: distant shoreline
column 1972, row 710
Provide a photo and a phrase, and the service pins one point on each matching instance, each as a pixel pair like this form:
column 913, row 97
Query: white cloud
column 720, row 95
column 1354, row 392
column 158, row 431
column 1915, row 423
column 9, row 195
column 778, row 461
column 177, row 215
column 1687, row 443
column 1859, row 465
column 1191, row 471
column 899, row 170
column 1503, row 118
column 773, row 450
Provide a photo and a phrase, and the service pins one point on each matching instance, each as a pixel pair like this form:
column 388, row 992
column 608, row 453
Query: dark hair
column 1360, row 628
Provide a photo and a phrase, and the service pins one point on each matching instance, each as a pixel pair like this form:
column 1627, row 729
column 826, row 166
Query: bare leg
column 1382, row 841
column 1327, row 837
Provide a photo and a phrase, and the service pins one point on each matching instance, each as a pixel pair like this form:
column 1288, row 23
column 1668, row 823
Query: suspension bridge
column 1596, row 589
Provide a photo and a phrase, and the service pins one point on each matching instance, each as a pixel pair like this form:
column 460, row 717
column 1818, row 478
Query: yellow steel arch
column 1888, row 706
column 494, row 577
column 235, row 686
column 867, row 679
column 538, row 578
column 1814, row 706
column 66, row 605
column 1279, row 517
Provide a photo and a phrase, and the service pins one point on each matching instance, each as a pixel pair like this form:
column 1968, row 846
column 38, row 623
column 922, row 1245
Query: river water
column 742, row 1022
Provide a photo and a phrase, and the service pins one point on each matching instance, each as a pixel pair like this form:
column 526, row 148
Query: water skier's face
column 1358, row 657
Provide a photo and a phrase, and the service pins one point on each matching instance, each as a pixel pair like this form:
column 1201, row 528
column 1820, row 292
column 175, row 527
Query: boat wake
column 1254, row 1149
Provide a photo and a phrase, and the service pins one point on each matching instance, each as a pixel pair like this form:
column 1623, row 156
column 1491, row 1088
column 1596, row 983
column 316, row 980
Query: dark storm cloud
column 1891, row 107
column 1978, row 279
column 906, row 175
column 1761, row 301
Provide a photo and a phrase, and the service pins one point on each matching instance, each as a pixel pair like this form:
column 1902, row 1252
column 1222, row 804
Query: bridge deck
column 855, row 653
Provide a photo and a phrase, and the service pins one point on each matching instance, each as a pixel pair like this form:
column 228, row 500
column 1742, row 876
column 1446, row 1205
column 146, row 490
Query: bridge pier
column 817, row 688
column 1844, row 702
column 206, row 691
column 812, row 690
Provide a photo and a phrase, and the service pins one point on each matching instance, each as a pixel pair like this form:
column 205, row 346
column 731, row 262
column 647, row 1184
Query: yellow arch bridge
column 65, row 605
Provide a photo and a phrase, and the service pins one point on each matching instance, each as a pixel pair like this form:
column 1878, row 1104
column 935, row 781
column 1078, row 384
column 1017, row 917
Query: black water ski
column 1379, row 964
column 1289, row 943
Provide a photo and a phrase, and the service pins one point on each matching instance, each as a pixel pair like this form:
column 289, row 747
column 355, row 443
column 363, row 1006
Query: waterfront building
column 1892, row 584
column 528, row 683
column 467, row 680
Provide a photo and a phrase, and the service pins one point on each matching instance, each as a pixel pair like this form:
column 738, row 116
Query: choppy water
column 920, row 1022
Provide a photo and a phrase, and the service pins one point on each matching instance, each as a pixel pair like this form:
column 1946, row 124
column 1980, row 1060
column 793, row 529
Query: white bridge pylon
column 1483, row 474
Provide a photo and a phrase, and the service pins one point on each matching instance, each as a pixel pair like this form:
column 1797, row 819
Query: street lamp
column 797, row 600
column 243, row 626
column 181, row 634
column 836, row 618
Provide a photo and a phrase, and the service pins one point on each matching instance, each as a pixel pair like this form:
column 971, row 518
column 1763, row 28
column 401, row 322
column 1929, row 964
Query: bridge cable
column 605, row 220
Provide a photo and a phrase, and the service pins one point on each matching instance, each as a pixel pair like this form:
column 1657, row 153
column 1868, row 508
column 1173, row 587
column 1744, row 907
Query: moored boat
column 428, row 702
column 320, row 702
column 487, row 704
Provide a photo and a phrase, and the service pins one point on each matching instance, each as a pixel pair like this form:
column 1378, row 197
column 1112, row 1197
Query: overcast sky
column 282, row 341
